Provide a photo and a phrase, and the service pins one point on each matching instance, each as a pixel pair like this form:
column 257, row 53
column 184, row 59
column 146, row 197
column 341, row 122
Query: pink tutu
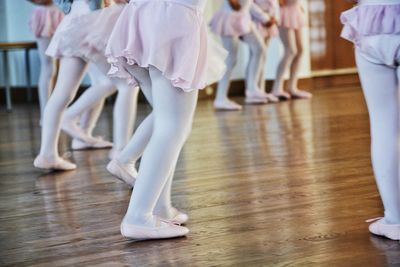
column 368, row 20
column 292, row 16
column 45, row 20
column 71, row 34
column 271, row 7
column 176, row 42
column 231, row 23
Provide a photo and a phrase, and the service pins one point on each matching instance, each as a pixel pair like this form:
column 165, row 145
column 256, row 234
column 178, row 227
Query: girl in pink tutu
column 169, row 57
column 374, row 28
column 233, row 22
column 43, row 23
column 290, row 28
column 271, row 7
column 77, row 41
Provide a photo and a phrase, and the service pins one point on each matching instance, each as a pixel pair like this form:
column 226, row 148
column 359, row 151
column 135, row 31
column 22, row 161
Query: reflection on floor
column 287, row 185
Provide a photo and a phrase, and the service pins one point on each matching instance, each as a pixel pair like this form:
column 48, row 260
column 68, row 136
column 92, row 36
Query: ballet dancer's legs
column 288, row 39
column 68, row 81
column 254, row 68
column 295, row 68
column 124, row 108
column 47, row 73
column 89, row 118
column 261, row 84
column 222, row 102
column 173, row 115
column 381, row 89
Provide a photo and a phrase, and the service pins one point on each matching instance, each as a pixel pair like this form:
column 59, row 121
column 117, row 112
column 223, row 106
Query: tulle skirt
column 292, row 17
column 231, row 23
column 176, row 43
column 45, row 20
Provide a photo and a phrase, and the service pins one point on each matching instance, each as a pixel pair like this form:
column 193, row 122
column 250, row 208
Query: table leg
column 28, row 75
column 7, row 81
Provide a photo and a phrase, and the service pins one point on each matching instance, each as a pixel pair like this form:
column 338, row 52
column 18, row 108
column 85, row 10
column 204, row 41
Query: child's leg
column 173, row 115
column 47, row 70
column 288, row 39
column 137, row 144
column 254, row 67
column 231, row 44
column 69, row 79
column 89, row 118
column 125, row 108
column 295, row 68
column 381, row 90
column 261, row 83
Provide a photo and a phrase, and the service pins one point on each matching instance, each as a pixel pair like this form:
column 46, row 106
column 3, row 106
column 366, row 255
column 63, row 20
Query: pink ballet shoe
column 59, row 164
column 282, row 96
column 300, row 94
column 180, row 217
column 98, row 143
column 255, row 97
column 125, row 172
column 272, row 99
column 379, row 227
column 162, row 230
column 73, row 130
column 227, row 105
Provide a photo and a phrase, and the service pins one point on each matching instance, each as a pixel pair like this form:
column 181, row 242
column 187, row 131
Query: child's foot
column 281, row 95
column 98, row 143
column 172, row 214
column 72, row 129
column 160, row 230
column 300, row 94
column 255, row 97
column 124, row 172
column 381, row 228
column 226, row 104
column 58, row 164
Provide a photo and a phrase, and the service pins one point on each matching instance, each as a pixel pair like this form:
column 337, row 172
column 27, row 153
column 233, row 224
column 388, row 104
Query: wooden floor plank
column 276, row 185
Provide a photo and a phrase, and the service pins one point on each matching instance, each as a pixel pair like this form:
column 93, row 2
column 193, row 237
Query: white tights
column 47, row 73
column 254, row 67
column 261, row 79
column 293, row 46
column 381, row 90
column 162, row 134
column 124, row 114
column 70, row 75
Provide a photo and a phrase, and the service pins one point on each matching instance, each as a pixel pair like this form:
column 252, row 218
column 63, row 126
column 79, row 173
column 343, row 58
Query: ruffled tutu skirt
column 292, row 17
column 45, row 20
column 375, row 30
column 170, row 36
column 368, row 20
column 231, row 23
column 68, row 37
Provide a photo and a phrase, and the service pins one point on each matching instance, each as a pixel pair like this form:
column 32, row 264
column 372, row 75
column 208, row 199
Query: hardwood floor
column 276, row 185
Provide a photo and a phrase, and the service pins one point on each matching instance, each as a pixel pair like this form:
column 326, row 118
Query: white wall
column 14, row 19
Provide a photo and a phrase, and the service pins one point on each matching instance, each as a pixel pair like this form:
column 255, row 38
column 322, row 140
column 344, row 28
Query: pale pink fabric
column 293, row 16
column 231, row 23
column 66, row 42
column 168, row 35
column 375, row 30
column 367, row 20
column 45, row 20
column 271, row 7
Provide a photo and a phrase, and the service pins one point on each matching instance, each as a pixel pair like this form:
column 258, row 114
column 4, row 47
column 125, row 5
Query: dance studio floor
column 276, row 185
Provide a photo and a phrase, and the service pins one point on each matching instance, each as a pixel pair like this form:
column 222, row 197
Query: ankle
column 136, row 218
